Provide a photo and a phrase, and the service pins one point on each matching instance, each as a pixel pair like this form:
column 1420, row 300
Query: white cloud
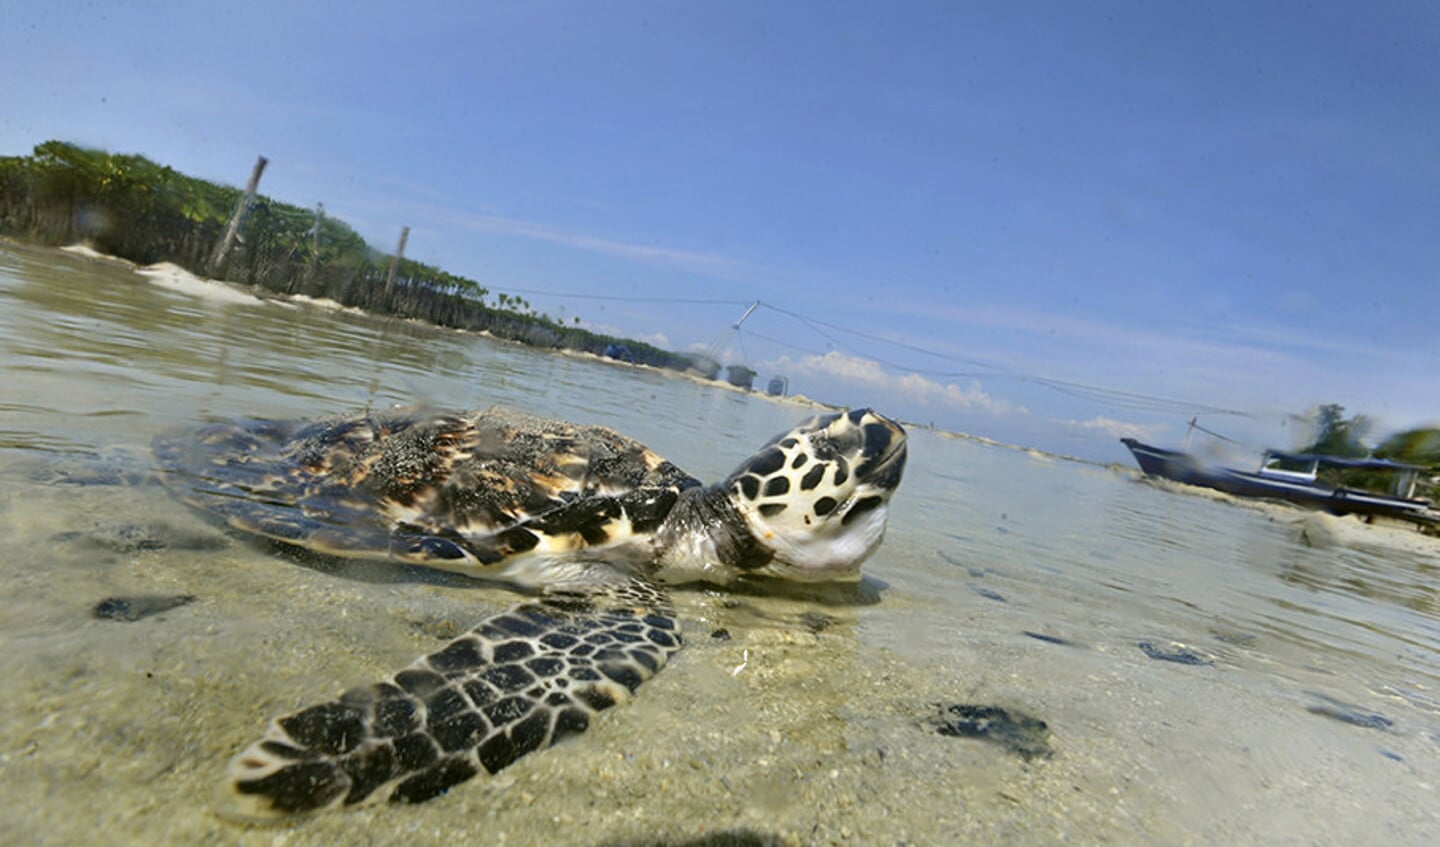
column 436, row 209
column 1264, row 369
column 694, row 261
column 838, row 364
column 1118, row 429
column 912, row 386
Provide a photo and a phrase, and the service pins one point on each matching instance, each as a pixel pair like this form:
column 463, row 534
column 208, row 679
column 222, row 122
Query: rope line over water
column 1114, row 397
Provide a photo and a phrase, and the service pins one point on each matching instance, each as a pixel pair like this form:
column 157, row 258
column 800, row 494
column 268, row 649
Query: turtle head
column 815, row 498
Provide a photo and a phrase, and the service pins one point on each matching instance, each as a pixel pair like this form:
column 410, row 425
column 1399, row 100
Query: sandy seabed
column 777, row 734
column 1312, row 719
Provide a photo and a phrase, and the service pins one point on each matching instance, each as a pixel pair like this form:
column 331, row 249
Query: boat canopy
column 1337, row 462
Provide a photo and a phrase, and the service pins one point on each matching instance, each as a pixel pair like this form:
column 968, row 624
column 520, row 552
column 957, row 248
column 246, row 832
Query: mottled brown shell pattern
column 431, row 489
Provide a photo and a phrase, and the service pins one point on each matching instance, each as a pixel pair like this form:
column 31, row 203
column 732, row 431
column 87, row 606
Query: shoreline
column 175, row 278
column 163, row 272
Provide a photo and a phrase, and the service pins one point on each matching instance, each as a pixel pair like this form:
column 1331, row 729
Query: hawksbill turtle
column 592, row 522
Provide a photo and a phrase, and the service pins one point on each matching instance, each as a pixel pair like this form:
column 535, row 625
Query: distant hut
column 779, row 386
column 740, row 376
column 619, row 351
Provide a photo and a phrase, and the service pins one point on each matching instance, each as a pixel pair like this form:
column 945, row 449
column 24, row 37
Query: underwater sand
column 1310, row 716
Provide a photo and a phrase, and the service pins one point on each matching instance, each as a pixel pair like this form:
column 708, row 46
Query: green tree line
column 129, row 206
column 1337, row 435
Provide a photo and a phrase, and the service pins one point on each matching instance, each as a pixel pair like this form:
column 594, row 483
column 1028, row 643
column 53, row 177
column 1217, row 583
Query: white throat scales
column 810, row 506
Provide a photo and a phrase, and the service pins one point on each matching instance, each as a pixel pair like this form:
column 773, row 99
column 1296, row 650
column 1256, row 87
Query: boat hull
column 1185, row 468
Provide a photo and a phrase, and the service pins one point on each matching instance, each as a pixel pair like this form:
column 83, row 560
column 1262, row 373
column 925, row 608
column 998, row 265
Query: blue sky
column 1022, row 220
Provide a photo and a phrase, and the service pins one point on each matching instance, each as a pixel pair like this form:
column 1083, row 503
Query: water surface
column 1308, row 710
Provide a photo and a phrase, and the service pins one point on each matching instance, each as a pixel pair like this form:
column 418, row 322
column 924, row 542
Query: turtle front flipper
column 517, row 682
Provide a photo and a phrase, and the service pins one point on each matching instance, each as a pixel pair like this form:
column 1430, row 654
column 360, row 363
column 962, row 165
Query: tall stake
column 315, row 240
column 395, row 259
column 240, row 212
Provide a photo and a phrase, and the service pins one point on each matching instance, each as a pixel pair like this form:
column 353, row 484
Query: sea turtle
column 593, row 522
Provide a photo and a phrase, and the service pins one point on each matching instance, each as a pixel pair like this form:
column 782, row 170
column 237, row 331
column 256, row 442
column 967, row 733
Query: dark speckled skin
column 592, row 518
column 518, row 682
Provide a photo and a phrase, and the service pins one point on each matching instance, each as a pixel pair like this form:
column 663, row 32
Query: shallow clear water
column 1314, row 716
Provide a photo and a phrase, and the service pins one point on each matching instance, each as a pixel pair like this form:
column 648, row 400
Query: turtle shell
column 461, row 491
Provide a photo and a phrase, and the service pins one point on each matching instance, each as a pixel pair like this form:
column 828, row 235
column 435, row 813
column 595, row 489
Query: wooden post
column 315, row 240
column 241, row 211
column 395, row 259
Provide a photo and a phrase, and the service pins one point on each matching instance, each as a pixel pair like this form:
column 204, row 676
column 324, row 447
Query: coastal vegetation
column 1337, row 435
column 1417, row 447
column 131, row 207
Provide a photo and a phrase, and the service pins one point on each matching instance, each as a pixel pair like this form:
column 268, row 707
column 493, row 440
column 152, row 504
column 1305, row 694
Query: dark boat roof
column 1338, row 462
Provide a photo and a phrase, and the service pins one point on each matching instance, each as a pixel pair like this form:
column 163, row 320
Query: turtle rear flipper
column 517, row 682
